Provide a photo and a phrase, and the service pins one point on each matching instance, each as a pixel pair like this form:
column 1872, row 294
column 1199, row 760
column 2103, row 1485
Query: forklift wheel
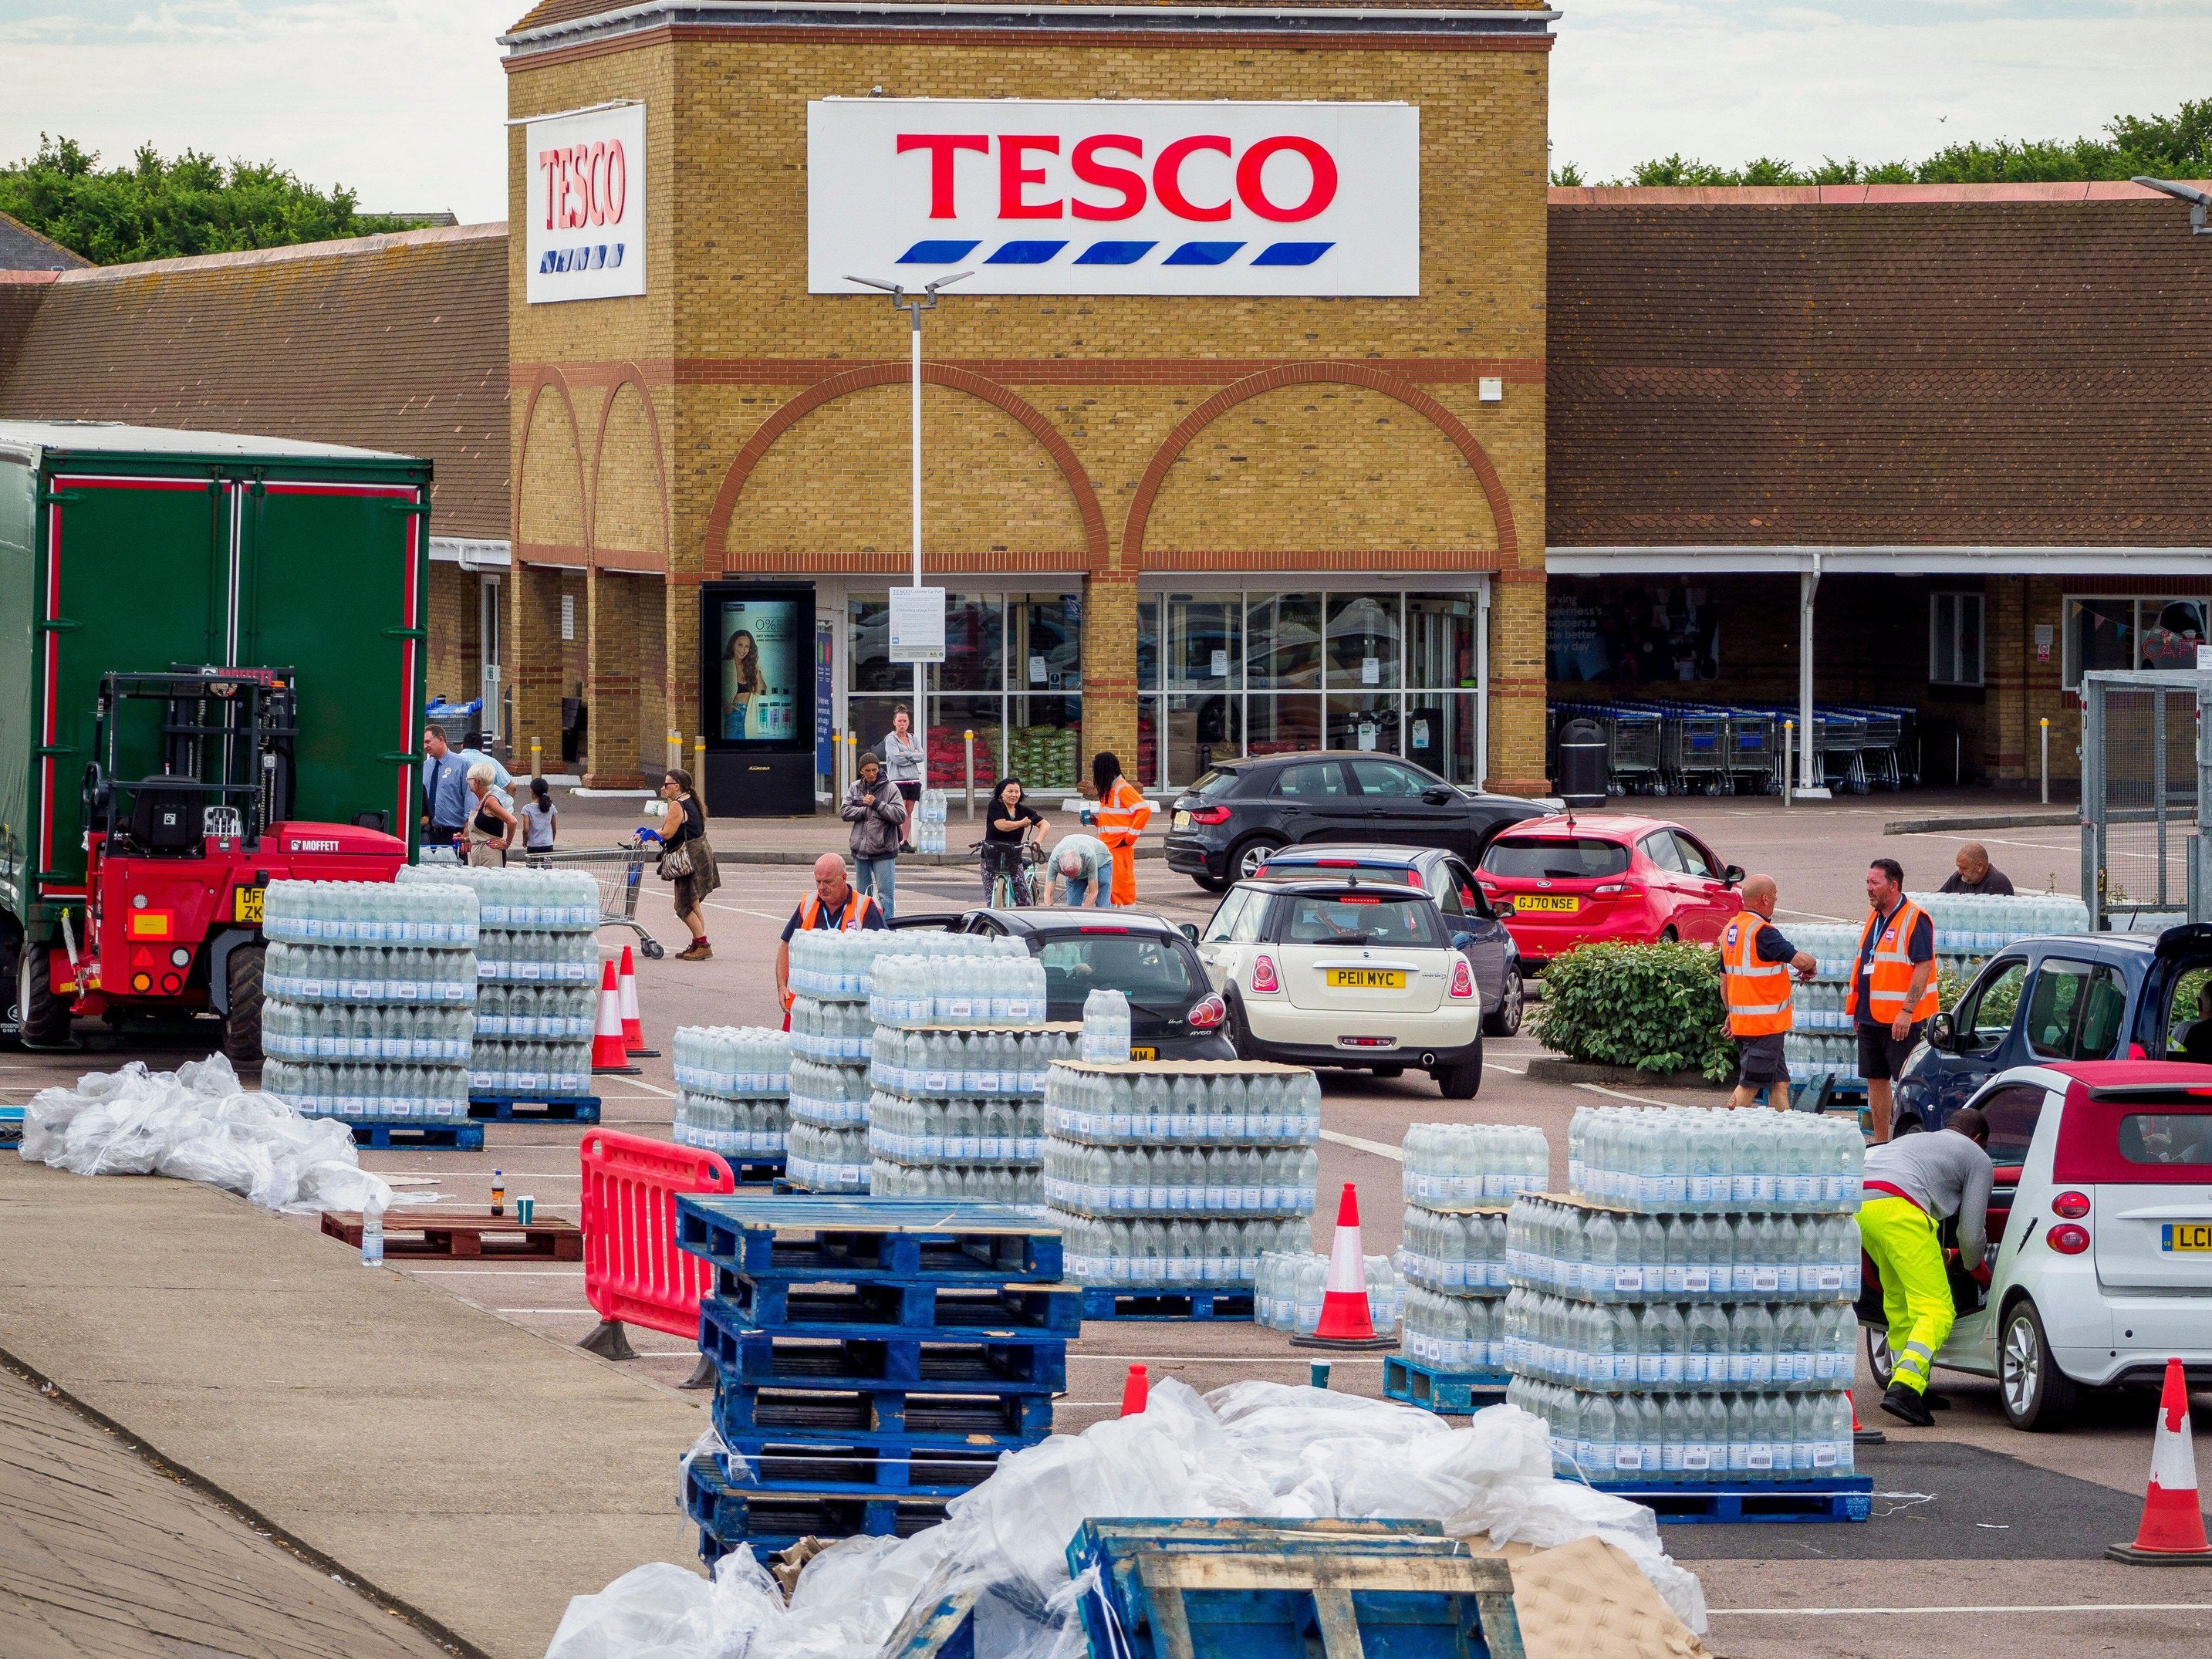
column 650, row 948
column 43, row 1019
column 241, row 1026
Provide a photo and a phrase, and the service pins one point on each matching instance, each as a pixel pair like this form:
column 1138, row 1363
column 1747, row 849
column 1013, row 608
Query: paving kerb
column 463, row 1466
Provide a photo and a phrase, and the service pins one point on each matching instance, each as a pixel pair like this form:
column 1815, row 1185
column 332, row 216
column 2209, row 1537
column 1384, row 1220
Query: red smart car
column 1582, row 878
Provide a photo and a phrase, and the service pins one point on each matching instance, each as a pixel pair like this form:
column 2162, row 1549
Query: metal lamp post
column 914, row 304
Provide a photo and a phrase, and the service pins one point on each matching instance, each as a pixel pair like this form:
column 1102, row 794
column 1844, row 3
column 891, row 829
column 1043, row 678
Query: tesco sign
column 584, row 215
column 1114, row 197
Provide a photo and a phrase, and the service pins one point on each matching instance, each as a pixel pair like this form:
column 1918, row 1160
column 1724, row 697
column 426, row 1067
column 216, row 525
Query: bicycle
column 1008, row 883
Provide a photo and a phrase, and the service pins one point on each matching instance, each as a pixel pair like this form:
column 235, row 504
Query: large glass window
column 1201, row 731
column 1045, row 642
column 1368, row 721
column 1363, row 641
column 1441, row 650
column 1203, row 648
column 1281, row 725
column 974, row 658
column 1954, row 638
column 1441, row 731
column 949, row 719
column 1282, row 642
column 2123, row 633
column 1044, row 742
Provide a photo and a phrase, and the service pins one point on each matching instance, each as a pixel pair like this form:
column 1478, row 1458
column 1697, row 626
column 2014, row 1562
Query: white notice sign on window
column 917, row 624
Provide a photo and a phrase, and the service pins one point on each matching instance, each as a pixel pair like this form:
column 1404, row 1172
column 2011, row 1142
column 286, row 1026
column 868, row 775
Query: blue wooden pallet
column 728, row 1514
column 1105, row 1302
column 1458, row 1392
column 1276, row 1589
column 858, row 1239
column 924, row 1309
column 1014, row 1362
column 534, row 1109
column 11, row 1122
column 754, row 1171
column 780, row 1463
column 1827, row 1498
column 382, row 1134
column 884, row 1416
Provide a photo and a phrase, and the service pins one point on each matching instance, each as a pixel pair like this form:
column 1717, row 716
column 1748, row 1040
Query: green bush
column 1656, row 1008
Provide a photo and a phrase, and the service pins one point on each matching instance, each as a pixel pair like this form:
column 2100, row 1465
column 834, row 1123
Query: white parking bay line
column 2057, row 1606
column 739, row 910
column 649, row 1088
column 501, row 1272
column 1615, row 1093
column 1392, row 1153
column 592, row 1313
column 1225, row 1359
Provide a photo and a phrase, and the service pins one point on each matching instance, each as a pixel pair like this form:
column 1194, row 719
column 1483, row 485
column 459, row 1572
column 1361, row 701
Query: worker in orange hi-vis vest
column 1119, row 816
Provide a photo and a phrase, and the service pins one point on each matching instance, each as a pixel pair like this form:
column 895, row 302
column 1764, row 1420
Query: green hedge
column 1656, row 1008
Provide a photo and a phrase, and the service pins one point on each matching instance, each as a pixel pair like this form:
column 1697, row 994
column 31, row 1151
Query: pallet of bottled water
column 833, row 965
column 1669, row 1347
column 1004, row 987
column 1454, row 1252
column 1639, row 1442
column 938, row 1063
column 422, row 912
column 1211, row 1145
column 371, row 1091
column 831, row 1033
column 398, row 1033
column 1572, row 1247
column 828, row 1097
column 985, row 1182
column 828, row 1160
column 929, row 821
column 1448, row 1165
column 959, row 1113
column 1133, row 1256
column 534, row 955
column 534, row 1013
column 735, row 1083
column 410, row 975
column 1288, row 1285
column 1694, row 1157
column 549, row 901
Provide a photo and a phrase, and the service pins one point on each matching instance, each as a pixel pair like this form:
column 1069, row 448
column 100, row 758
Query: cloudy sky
column 403, row 99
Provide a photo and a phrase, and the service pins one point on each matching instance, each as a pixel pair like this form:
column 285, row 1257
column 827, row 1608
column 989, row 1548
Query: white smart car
column 1345, row 973
column 2101, row 1236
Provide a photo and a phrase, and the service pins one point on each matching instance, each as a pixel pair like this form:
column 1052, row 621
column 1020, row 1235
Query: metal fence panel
column 2143, row 799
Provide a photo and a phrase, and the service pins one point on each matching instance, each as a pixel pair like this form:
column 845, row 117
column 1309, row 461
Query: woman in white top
column 540, row 820
column 902, row 755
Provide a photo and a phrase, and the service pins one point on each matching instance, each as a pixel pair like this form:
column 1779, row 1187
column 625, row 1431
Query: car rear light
column 2071, row 1205
column 2067, row 1239
column 1462, row 985
column 1096, row 929
column 1209, row 1013
column 1209, row 815
column 1611, row 887
column 1336, row 864
column 1263, row 974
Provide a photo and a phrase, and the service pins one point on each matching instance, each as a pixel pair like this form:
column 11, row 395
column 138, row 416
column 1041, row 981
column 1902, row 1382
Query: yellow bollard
column 537, row 758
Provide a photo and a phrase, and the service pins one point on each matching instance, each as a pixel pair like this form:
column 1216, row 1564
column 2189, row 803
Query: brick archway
column 632, row 377
column 875, row 375
column 549, row 378
column 1272, row 380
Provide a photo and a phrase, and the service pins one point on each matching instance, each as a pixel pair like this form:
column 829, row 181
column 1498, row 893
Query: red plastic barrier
column 633, row 1270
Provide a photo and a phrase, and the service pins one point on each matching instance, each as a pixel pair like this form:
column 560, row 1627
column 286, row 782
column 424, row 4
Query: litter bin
column 1582, row 763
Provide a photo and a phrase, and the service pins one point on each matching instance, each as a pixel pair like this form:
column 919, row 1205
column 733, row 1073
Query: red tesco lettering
column 1017, row 178
column 584, row 184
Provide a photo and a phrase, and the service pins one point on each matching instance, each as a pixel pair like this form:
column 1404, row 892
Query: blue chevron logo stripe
column 938, row 253
column 951, row 250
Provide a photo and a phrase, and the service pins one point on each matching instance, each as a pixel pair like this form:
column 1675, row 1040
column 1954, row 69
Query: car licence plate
column 247, row 904
column 1368, row 979
column 1144, row 1054
column 1567, row 904
column 1182, row 820
column 2192, row 1237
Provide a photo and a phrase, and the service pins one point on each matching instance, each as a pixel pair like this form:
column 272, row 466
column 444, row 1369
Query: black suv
column 1226, row 824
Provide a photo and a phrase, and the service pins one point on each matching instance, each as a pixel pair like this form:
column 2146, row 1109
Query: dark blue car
column 2081, row 996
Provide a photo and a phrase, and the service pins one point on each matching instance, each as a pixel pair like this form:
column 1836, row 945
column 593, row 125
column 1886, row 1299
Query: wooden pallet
column 923, row 1308
column 1176, row 1589
column 883, row 1416
column 462, row 1232
column 852, row 1239
column 380, row 1135
column 1834, row 1498
column 492, row 1107
column 1104, row 1301
column 975, row 1362
column 1458, row 1392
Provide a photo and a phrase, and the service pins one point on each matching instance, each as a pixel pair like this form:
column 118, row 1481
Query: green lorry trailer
column 211, row 676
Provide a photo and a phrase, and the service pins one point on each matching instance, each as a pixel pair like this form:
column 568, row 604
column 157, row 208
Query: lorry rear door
column 333, row 591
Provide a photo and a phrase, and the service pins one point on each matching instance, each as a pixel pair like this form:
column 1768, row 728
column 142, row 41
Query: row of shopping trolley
column 1714, row 749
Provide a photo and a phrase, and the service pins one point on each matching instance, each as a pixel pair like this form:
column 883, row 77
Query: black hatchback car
column 1226, row 824
column 1174, row 1012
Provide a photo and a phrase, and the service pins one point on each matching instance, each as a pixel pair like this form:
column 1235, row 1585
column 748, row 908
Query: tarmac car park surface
column 1969, row 1514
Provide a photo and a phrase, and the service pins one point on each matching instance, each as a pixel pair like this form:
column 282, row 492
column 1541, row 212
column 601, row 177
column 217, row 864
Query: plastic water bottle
column 371, row 1236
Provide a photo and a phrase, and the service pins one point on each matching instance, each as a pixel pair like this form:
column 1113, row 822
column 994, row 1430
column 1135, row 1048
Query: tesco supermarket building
column 1282, row 406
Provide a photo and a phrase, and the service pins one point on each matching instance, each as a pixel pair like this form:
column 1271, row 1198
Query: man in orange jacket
column 1121, row 816
column 1892, row 992
column 1755, row 963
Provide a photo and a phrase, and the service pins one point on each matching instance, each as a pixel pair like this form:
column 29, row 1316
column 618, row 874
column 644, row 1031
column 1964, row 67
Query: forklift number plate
column 248, row 902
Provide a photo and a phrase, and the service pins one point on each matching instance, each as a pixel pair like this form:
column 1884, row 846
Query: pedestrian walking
column 1912, row 1186
column 492, row 823
column 1892, row 994
column 1755, row 964
column 1079, row 864
column 876, row 808
column 1122, row 814
column 445, row 790
column 686, row 859
column 834, row 903
column 905, row 764
column 540, row 819
column 1974, row 873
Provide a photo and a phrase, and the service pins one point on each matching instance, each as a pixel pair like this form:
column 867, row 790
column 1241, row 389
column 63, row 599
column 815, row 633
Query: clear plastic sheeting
column 1259, row 1450
column 199, row 1123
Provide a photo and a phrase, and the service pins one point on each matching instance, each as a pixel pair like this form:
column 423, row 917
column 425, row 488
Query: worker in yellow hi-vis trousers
column 1911, row 1184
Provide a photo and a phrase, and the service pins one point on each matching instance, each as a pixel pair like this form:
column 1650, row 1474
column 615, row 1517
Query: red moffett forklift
column 177, row 860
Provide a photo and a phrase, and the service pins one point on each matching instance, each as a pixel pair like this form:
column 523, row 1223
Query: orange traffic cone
column 1135, row 1392
column 633, row 1032
column 608, row 1053
column 2172, row 1530
column 1347, row 1321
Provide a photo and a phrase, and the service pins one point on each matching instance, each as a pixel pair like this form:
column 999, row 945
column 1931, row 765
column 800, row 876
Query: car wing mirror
column 1502, row 908
column 1942, row 1030
column 1437, row 794
column 1733, row 875
column 1188, row 929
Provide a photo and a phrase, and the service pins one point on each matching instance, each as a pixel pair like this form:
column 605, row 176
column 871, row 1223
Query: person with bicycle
column 1010, row 827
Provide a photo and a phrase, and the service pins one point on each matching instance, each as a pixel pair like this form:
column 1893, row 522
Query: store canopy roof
column 2195, row 562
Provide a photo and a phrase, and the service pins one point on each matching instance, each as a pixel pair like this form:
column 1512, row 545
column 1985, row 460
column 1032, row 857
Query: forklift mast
column 226, row 737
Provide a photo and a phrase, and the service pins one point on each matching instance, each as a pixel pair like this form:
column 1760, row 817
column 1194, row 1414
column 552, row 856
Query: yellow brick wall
column 1299, row 476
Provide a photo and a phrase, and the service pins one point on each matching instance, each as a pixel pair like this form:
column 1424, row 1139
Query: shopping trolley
column 620, row 871
column 1754, row 751
column 1881, row 748
column 1693, row 747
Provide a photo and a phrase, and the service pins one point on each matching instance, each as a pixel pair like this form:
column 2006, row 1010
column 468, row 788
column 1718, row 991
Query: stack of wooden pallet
column 874, row 1358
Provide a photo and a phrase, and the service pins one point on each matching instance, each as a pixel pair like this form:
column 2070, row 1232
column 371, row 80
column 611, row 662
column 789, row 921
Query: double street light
column 914, row 304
